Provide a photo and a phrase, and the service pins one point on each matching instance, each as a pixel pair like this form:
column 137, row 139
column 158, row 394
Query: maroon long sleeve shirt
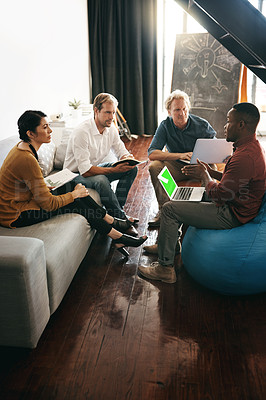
column 243, row 182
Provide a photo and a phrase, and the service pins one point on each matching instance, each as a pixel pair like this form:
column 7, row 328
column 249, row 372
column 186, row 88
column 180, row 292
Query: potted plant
column 75, row 104
column 75, row 110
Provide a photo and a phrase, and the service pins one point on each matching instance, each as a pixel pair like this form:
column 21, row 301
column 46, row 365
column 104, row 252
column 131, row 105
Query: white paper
column 60, row 178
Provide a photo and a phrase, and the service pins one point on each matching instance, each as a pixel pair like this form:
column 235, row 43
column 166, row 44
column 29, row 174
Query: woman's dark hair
column 29, row 121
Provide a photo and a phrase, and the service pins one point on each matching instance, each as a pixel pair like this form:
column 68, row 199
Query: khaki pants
column 204, row 215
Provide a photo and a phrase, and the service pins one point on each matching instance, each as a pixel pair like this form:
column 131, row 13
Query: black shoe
column 155, row 223
column 135, row 220
column 121, row 225
column 124, row 225
column 129, row 241
column 132, row 231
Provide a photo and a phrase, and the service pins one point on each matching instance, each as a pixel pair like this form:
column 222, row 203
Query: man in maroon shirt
column 232, row 201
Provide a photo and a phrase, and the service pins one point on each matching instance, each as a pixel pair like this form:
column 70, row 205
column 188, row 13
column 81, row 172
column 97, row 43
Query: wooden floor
column 117, row 337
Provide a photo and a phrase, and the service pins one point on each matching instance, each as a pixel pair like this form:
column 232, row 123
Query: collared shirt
column 177, row 140
column 87, row 147
column 243, row 182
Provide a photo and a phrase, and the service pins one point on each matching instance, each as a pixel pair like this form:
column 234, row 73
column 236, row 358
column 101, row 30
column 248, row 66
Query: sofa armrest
column 24, row 302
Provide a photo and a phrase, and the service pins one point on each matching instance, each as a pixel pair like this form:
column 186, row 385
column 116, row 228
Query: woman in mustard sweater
column 26, row 200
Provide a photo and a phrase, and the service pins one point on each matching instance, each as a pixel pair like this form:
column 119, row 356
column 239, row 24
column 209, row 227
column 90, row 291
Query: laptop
column 211, row 151
column 179, row 193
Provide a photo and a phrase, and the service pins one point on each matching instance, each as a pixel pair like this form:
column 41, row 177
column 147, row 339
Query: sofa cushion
column 66, row 240
column 46, row 155
column 6, row 145
column 61, row 149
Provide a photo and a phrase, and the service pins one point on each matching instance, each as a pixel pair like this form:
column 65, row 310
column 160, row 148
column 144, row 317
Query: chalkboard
column 209, row 74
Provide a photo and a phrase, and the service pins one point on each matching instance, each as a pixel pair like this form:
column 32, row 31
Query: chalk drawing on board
column 209, row 74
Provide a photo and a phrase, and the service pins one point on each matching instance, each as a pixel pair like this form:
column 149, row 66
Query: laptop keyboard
column 183, row 193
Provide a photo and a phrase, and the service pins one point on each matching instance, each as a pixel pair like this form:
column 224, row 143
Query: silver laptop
column 179, row 193
column 211, row 151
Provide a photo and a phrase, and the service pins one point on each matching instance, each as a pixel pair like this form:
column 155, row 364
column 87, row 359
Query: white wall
column 43, row 57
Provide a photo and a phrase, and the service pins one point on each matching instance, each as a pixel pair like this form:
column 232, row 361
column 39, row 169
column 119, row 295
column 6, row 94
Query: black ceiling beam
column 237, row 25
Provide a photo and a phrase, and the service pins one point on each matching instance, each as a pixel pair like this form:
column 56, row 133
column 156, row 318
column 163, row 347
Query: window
column 173, row 20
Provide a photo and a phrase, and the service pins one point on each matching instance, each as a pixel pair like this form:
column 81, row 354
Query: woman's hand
column 80, row 191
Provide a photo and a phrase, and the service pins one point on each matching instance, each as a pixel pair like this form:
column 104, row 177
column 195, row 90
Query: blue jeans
column 113, row 202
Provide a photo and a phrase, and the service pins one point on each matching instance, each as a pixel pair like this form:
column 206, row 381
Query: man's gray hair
column 176, row 95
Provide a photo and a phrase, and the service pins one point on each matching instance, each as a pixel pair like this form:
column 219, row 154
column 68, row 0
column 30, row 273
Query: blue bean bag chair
column 231, row 261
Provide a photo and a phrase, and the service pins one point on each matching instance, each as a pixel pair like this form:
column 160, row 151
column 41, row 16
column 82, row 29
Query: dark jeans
column 113, row 202
column 85, row 206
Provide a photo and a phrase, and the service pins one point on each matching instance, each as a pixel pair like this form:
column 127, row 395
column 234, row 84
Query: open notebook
column 179, row 193
column 58, row 179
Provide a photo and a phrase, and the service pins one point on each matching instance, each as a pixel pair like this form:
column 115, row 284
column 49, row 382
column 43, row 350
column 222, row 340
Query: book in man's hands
column 58, row 179
column 129, row 161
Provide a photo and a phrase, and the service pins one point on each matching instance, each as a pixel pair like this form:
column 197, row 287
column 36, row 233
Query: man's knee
column 81, row 179
column 155, row 167
column 171, row 209
column 166, row 207
column 95, row 182
column 102, row 181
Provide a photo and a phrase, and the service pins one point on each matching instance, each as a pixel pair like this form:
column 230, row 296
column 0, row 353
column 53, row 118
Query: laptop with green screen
column 179, row 193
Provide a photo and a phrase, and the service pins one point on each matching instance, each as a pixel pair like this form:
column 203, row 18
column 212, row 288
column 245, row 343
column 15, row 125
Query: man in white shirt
column 87, row 148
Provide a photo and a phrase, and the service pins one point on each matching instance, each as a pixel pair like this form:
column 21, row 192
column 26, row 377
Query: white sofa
column 38, row 263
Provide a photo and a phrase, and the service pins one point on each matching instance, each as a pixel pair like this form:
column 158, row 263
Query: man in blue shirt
column 178, row 133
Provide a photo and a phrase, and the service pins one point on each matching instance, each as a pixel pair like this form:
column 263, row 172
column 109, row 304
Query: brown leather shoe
column 159, row 272
column 132, row 231
column 155, row 222
column 153, row 248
